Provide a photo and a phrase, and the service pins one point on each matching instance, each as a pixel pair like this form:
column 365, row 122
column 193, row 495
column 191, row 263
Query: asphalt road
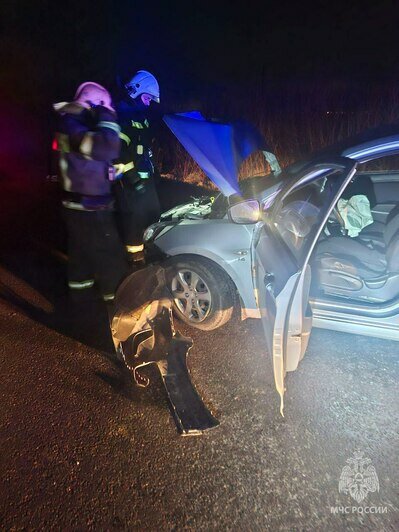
column 83, row 448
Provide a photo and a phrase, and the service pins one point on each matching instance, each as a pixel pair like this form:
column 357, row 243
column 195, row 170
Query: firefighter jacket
column 88, row 141
column 135, row 160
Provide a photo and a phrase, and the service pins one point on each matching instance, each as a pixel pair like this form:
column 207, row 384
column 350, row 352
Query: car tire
column 211, row 288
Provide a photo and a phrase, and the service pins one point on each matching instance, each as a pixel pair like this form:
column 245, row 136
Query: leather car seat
column 356, row 269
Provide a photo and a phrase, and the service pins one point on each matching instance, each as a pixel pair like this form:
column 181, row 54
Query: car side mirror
column 245, row 212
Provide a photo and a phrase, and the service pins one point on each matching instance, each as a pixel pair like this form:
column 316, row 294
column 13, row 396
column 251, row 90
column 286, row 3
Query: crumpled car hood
column 218, row 148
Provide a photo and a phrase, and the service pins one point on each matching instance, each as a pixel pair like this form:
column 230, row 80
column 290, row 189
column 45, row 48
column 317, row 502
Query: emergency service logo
column 359, row 477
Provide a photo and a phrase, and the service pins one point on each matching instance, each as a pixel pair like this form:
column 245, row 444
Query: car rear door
column 282, row 246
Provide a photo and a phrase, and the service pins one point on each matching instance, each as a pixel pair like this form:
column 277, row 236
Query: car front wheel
column 203, row 293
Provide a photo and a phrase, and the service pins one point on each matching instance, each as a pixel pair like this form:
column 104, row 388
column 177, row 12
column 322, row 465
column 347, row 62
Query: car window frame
column 311, row 174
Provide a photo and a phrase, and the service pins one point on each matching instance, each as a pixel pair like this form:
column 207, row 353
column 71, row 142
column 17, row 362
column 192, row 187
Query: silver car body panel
column 373, row 149
column 344, row 317
column 221, row 241
column 284, row 293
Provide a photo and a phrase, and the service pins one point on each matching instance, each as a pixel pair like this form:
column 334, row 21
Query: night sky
column 52, row 46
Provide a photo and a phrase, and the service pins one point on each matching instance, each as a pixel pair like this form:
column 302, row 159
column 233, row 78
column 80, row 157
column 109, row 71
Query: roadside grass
column 296, row 118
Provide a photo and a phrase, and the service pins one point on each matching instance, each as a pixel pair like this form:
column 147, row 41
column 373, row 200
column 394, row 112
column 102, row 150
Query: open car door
column 282, row 246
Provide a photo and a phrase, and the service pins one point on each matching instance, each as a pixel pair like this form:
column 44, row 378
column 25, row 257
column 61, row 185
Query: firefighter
column 136, row 195
column 88, row 141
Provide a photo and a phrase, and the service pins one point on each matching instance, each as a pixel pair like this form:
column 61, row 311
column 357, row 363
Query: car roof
column 365, row 146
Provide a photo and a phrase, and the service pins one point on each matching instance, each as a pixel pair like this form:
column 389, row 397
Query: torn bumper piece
column 143, row 333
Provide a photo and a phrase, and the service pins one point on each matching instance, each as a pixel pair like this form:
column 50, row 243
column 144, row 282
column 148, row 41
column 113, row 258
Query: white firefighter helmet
column 143, row 82
column 92, row 93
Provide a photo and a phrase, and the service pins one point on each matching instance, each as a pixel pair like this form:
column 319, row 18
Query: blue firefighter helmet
column 143, row 82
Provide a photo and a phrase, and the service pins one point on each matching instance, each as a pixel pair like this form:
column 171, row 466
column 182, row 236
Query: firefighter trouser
column 95, row 252
column 137, row 209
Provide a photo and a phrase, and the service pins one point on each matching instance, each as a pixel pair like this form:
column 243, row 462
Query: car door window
column 300, row 214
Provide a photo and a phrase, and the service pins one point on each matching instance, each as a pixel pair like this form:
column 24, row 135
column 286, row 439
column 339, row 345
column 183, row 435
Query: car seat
column 374, row 232
column 357, row 269
column 363, row 184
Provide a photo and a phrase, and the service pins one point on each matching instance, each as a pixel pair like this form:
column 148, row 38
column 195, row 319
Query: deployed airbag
column 355, row 213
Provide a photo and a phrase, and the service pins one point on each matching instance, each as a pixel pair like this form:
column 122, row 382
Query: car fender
column 226, row 244
column 239, row 271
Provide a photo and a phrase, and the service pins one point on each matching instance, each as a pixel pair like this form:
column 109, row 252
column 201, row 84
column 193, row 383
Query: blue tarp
column 218, row 148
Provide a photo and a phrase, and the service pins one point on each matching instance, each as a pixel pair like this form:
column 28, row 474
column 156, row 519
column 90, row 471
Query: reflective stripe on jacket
column 136, row 138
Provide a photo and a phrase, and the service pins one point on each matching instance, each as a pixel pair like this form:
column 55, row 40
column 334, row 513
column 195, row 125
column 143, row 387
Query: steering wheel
column 337, row 217
column 336, row 221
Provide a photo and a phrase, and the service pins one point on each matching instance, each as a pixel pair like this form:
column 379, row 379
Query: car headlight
column 155, row 230
column 149, row 233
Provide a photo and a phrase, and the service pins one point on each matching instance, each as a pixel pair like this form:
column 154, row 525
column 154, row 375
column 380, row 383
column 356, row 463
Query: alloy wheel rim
column 191, row 295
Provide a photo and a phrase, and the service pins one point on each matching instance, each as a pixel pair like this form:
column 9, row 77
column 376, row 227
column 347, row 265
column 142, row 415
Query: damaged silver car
column 217, row 250
column 280, row 245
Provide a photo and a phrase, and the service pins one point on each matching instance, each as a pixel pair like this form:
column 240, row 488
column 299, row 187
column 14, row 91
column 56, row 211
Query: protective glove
column 119, row 170
column 103, row 114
